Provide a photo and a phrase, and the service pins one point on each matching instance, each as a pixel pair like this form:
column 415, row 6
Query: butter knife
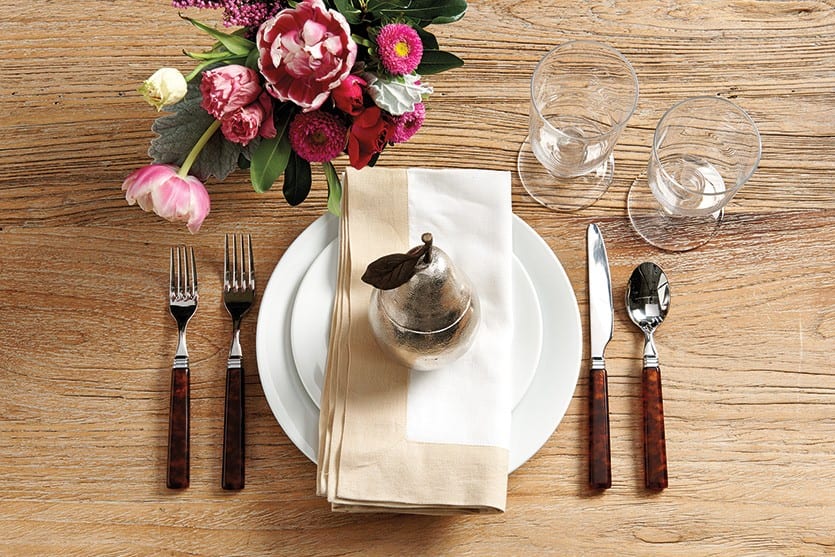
column 601, row 325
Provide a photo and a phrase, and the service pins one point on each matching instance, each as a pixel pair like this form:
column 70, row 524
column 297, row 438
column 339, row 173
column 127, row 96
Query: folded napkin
column 401, row 440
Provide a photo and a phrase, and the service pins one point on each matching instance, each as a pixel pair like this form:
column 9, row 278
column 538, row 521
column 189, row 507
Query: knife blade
column 601, row 326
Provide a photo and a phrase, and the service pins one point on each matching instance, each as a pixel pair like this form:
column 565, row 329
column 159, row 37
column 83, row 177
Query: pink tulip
column 159, row 188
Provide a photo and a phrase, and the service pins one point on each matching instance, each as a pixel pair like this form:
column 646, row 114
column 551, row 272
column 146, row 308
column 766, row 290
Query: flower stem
column 195, row 151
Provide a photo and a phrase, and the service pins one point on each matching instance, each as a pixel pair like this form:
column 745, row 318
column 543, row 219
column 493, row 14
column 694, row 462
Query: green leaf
column 270, row 158
column 233, row 43
column 346, row 7
column 269, row 162
column 437, row 61
column 178, row 131
column 362, row 41
column 209, row 55
column 427, row 11
column 297, row 180
column 334, row 189
column 252, row 59
column 428, row 39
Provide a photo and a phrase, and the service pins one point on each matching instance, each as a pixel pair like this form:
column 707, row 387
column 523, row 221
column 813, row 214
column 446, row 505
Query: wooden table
column 747, row 350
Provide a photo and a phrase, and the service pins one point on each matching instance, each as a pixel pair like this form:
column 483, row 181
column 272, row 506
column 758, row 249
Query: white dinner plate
column 311, row 317
column 539, row 410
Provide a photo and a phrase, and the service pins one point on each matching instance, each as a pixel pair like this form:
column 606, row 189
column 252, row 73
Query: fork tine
column 226, row 284
column 187, row 293
column 242, row 283
column 179, row 274
column 250, row 265
column 193, row 273
column 172, row 288
column 235, row 261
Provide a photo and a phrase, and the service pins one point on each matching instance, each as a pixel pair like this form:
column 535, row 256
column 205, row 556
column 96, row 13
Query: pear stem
column 426, row 238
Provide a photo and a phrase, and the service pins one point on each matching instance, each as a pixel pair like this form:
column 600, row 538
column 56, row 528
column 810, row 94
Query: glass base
column 663, row 230
column 556, row 192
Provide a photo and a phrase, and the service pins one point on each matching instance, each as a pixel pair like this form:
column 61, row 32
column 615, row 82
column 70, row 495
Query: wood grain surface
column 747, row 349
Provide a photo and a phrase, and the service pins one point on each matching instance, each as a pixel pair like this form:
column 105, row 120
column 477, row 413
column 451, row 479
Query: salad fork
column 182, row 296
column 238, row 296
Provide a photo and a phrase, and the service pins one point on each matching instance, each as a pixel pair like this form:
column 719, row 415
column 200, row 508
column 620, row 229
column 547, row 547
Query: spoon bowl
column 647, row 304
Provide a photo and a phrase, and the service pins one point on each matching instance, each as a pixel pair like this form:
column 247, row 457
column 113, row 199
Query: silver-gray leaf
column 179, row 131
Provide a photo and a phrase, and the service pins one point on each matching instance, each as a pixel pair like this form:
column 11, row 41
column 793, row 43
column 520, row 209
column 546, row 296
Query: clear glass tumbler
column 704, row 150
column 582, row 94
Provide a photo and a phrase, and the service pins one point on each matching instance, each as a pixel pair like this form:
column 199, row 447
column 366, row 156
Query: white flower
column 167, row 86
column 397, row 95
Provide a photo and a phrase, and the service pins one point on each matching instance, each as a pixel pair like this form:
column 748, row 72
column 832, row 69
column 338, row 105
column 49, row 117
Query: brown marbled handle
column 655, row 445
column 600, row 463
column 178, row 422
column 233, row 430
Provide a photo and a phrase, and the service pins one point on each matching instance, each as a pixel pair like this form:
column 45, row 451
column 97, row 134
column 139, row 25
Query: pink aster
column 317, row 136
column 399, row 48
column 407, row 125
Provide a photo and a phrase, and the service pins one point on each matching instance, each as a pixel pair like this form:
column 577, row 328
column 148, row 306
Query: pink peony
column 407, row 125
column 399, row 48
column 247, row 123
column 305, row 52
column 228, row 88
column 160, row 189
column 317, row 136
column 367, row 137
column 348, row 96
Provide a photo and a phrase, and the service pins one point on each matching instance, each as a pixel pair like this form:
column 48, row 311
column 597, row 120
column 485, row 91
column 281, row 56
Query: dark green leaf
column 233, row 43
column 347, row 8
column 297, row 180
column 334, row 189
column 269, row 162
column 270, row 158
column 428, row 39
column 179, row 131
column 437, row 61
column 252, row 59
column 428, row 11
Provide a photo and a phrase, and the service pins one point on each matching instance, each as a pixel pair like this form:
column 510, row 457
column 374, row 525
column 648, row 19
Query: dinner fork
column 238, row 296
column 182, row 297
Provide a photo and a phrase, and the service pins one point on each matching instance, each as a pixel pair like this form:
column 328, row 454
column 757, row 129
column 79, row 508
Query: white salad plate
column 294, row 319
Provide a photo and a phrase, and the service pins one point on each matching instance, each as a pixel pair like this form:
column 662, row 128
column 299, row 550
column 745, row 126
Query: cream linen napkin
column 400, row 440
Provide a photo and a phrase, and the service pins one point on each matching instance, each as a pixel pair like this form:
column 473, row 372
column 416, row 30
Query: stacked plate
column 294, row 322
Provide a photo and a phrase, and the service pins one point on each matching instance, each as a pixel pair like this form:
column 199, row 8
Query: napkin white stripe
column 466, row 402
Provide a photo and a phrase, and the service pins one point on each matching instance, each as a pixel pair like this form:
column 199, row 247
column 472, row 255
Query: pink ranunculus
column 305, row 52
column 243, row 125
column 228, row 88
column 160, row 189
column 348, row 96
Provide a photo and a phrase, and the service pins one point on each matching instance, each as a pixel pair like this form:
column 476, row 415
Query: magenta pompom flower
column 407, row 125
column 399, row 48
column 317, row 136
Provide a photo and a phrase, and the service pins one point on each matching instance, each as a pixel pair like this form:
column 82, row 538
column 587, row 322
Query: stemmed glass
column 704, row 150
column 582, row 94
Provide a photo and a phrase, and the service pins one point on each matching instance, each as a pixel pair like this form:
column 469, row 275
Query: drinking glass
column 582, row 94
column 704, row 150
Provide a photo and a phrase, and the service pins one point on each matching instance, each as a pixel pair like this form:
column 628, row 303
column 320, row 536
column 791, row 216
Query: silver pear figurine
column 424, row 310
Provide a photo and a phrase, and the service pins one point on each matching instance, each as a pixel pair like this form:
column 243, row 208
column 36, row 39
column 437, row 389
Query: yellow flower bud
column 167, row 86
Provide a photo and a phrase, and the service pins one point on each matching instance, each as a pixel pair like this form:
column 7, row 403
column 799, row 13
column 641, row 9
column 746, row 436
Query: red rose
column 348, row 95
column 367, row 137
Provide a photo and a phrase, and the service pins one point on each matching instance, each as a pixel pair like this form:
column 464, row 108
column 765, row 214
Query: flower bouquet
column 296, row 83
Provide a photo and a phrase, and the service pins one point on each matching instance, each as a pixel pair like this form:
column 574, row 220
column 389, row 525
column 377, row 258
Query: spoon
column 647, row 302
